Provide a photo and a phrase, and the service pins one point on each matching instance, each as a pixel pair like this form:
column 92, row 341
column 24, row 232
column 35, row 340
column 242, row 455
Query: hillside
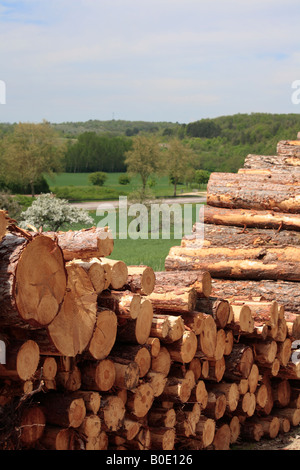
column 220, row 144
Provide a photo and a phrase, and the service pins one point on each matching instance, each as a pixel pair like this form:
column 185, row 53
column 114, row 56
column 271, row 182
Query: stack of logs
column 104, row 356
column 249, row 241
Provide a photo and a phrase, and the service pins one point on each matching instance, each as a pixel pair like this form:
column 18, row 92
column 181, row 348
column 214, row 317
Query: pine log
column 84, row 244
column 242, row 320
column 208, row 336
column 119, row 272
column 68, row 380
column 162, row 438
column 216, row 404
column 184, row 349
column 141, row 279
column 242, row 192
column 140, row 400
column 125, row 304
column 292, row 414
column 111, row 413
column 99, row 442
column 137, row 330
column 253, row 378
column 270, row 425
column 133, row 353
column 22, row 360
column 154, row 344
column 32, row 425
column 278, row 263
column 252, row 431
column 222, row 437
column 231, row 236
column 264, row 352
column 205, row 430
column 33, row 281
column 157, row 381
column 162, row 362
column 63, row 410
column 98, row 272
column 92, row 400
column 6, row 223
column 284, row 351
column 281, row 390
column 196, row 367
column 283, row 292
column 288, row 148
column 98, row 375
column 73, row 327
column 271, row 162
column 261, row 396
column 199, row 394
column 187, row 416
column 250, row 218
column 239, row 362
column 176, row 390
column 104, row 334
column 175, row 299
column 231, row 392
column 57, row 438
column 200, row 280
column 167, row 328
column 91, row 425
column 219, row 308
column 126, row 372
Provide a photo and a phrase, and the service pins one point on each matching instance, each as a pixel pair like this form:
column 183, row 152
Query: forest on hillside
column 219, row 144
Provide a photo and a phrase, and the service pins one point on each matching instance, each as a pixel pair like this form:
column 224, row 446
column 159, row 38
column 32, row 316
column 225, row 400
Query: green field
column 76, row 187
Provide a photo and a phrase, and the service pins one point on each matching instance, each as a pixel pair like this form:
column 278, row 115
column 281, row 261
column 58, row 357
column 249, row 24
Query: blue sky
column 166, row 60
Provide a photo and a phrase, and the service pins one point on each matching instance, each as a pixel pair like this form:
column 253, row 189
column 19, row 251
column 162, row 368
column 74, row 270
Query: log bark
column 104, row 334
column 219, row 308
column 278, row 263
column 33, row 281
column 98, row 272
column 200, row 280
column 119, row 272
column 125, row 304
column 242, row 193
column 239, row 362
column 288, row 148
column 73, row 327
column 234, row 236
column 63, row 410
column 141, row 279
column 167, row 328
column 283, row 292
column 84, row 244
column 57, row 438
column 271, row 162
column 250, row 218
column 175, row 299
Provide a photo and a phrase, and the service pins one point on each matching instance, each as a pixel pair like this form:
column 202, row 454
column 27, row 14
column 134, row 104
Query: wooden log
column 63, row 410
column 292, row 414
column 222, row 437
column 242, row 320
column 278, row 263
column 138, row 330
column 104, row 334
column 243, row 193
column 154, row 344
column 119, row 272
column 270, row 425
column 6, row 223
column 246, row 405
column 251, row 431
column 161, row 417
column 98, row 375
column 68, row 380
column 32, row 425
column 288, row 148
column 162, row 438
column 270, row 162
column 111, row 413
column 263, row 219
column 231, row 236
column 92, row 400
column 22, row 360
column 140, row 400
column 157, row 381
column 264, row 352
column 93, row 242
column 176, row 390
column 284, row 351
column 175, row 299
column 126, row 304
column 281, row 392
column 33, row 281
column 126, row 373
column 239, row 362
column 200, row 280
column 99, row 442
column 216, row 404
column 205, row 430
column 219, row 308
column 231, row 392
column 98, row 272
column 285, row 293
column 91, row 425
column 162, row 362
column 141, row 279
column 216, row 369
column 167, row 328
column 57, row 438
column 73, row 327
column 187, row 416
column 199, row 394
column 194, row 321
column 133, row 353
column 184, row 349
column 208, row 336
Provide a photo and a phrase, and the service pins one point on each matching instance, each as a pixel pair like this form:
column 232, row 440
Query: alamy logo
column 296, row 94
column 2, row 92
column 154, row 221
column 2, row 353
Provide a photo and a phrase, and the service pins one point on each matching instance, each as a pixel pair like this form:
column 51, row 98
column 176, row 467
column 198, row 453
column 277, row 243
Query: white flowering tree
column 52, row 214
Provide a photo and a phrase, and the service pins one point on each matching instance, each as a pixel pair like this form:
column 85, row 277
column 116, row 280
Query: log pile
column 251, row 250
column 105, row 356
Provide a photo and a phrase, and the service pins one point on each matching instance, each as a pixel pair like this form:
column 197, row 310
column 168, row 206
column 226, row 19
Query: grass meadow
column 151, row 252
